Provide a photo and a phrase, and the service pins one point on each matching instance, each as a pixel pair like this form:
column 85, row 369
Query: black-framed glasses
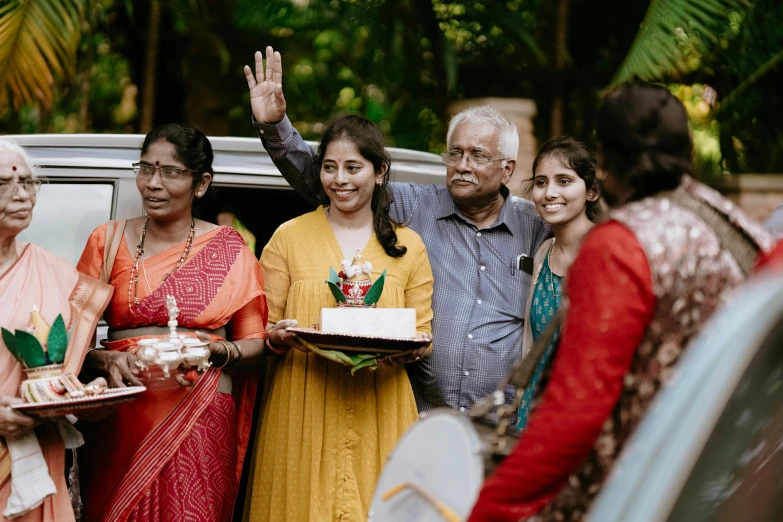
column 167, row 173
column 475, row 159
column 8, row 187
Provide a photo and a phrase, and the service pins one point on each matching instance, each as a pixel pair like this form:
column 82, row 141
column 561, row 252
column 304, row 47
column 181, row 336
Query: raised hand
column 266, row 88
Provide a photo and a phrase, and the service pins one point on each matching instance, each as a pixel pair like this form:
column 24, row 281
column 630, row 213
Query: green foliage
column 394, row 62
column 735, row 47
column 400, row 63
column 38, row 40
column 671, row 35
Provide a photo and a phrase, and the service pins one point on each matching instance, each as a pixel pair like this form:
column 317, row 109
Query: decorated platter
column 358, row 343
column 59, row 408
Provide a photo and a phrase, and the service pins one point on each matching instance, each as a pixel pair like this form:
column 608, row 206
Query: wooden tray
column 63, row 407
column 358, row 343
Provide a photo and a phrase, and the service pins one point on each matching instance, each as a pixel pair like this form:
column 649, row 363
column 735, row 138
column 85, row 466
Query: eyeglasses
column 452, row 158
column 145, row 170
column 8, row 188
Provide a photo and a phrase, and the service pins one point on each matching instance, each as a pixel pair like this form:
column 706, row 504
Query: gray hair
column 508, row 138
column 9, row 145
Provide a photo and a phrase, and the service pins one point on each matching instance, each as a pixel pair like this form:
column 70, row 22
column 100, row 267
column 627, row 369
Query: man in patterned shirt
column 478, row 239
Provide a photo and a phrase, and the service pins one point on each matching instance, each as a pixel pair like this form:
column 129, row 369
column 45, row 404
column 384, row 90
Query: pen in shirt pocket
column 522, row 262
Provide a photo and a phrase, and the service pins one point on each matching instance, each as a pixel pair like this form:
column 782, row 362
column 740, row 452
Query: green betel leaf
column 10, row 343
column 338, row 294
column 333, row 277
column 366, row 363
column 375, row 291
column 30, row 349
column 58, row 340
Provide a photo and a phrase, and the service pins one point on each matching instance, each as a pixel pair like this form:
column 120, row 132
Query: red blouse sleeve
column 772, row 260
column 611, row 303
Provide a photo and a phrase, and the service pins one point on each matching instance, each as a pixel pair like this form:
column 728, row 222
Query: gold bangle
column 273, row 349
column 239, row 350
column 233, row 358
column 228, row 353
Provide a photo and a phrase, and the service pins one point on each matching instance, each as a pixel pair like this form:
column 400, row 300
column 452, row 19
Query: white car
column 89, row 180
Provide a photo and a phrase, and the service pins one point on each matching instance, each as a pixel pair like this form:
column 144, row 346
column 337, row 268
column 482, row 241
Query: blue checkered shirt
column 479, row 295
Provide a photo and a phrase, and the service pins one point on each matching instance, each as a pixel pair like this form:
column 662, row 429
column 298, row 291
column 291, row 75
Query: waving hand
column 266, row 88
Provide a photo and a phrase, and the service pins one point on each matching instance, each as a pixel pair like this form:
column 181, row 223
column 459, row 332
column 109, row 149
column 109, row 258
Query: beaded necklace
column 133, row 283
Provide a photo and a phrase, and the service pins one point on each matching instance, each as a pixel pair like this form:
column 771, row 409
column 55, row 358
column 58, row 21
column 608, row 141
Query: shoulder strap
column 520, row 373
column 115, row 234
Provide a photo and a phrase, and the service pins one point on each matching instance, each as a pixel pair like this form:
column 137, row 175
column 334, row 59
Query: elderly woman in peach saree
column 32, row 277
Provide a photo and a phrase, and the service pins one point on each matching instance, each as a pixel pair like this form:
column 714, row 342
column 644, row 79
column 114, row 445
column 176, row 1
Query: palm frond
column 38, row 40
column 656, row 51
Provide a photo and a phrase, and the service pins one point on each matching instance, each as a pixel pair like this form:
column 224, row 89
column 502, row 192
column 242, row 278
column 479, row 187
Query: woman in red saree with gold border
column 175, row 454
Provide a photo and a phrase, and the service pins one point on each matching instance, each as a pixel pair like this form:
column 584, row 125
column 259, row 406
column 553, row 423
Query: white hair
column 508, row 138
column 9, row 145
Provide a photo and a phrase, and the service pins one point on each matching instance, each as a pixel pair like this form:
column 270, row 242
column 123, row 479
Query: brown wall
column 756, row 194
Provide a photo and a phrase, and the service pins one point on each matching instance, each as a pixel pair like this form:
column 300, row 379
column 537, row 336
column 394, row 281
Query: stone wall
column 521, row 112
column 756, row 194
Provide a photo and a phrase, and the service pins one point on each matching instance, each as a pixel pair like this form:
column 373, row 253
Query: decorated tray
column 358, row 343
column 109, row 397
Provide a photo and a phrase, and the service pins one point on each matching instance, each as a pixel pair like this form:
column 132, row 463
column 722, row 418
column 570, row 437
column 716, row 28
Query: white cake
column 376, row 322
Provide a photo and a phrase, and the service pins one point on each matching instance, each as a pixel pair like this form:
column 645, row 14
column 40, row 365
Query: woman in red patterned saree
column 173, row 454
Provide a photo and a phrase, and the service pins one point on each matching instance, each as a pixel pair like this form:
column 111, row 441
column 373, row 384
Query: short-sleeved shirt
column 479, row 292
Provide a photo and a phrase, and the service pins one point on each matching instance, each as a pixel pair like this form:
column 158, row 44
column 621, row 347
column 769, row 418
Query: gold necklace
column 551, row 271
column 133, row 283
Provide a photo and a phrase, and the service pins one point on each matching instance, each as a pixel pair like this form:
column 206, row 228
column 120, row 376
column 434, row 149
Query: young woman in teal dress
column 565, row 192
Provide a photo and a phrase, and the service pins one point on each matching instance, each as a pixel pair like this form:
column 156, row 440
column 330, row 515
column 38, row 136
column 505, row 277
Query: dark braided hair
column 369, row 141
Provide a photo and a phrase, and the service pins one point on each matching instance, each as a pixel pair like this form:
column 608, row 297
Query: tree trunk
column 148, row 90
column 561, row 34
column 209, row 100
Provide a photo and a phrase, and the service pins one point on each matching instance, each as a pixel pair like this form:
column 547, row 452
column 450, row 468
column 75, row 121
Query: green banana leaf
column 30, row 349
column 10, row 343
column 58, row 341
column 374, row 293
column 371, row 363
column 333, row 277
column 338, row 294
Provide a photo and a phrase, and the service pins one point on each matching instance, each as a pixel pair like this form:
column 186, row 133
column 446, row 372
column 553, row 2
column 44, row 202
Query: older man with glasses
column 478, row 238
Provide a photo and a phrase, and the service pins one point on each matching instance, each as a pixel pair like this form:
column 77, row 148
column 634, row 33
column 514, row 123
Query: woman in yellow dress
column 325, row 433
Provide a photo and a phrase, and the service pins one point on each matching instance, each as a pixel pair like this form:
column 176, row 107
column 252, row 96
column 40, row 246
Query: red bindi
column 14, row 168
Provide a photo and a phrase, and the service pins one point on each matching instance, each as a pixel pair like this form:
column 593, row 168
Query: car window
column 256, row 210
column 65, row 215
column 739, row 474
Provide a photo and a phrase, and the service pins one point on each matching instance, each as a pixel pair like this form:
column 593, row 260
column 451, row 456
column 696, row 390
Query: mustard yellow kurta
column 325, row 434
